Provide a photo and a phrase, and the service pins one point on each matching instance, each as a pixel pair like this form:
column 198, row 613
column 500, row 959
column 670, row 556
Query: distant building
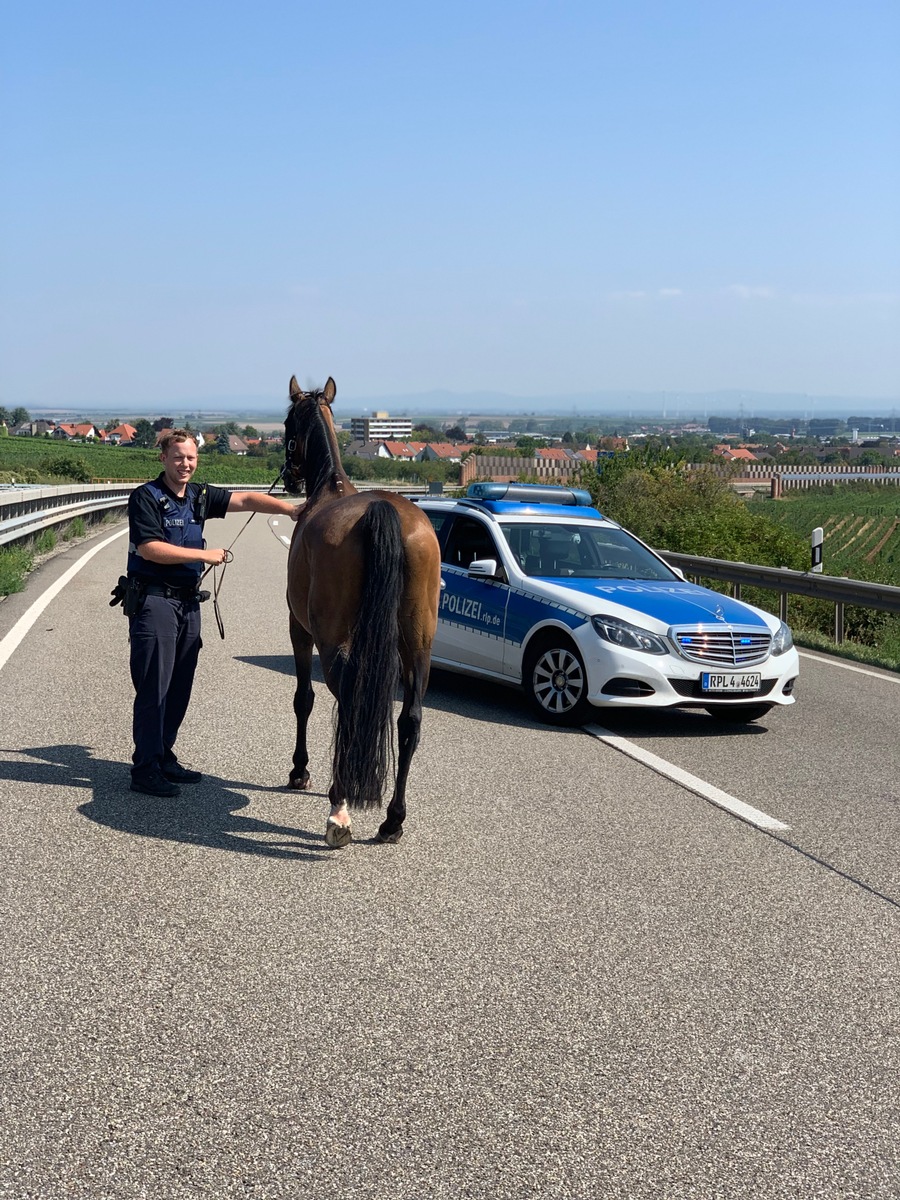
column 406, row 451
column 494, row 437
column 367, row 450
column 441, row 452
column 68, row 433
column 121, row 435
column 380, row 427
column 733, row 453
column 34, row 428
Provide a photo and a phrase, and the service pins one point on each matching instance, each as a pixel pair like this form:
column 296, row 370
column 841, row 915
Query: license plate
column 729, row 681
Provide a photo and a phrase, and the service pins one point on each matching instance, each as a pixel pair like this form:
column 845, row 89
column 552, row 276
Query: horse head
column 308, row 437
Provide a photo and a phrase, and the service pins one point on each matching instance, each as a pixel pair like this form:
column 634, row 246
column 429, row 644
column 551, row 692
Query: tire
column 740, row 714
column 555, row 683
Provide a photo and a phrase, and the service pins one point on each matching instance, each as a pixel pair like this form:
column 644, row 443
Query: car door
column 472, row 609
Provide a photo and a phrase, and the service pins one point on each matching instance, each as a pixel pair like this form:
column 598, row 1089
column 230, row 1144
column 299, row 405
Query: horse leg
column 338, row 829
column 302, row 644
column 408, row 728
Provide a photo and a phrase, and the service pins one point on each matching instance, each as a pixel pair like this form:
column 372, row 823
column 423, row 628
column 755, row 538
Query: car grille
column 731, row 647
column 691, row 690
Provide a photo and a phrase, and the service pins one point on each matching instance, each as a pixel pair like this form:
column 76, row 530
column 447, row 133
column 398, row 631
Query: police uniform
column 165, row 629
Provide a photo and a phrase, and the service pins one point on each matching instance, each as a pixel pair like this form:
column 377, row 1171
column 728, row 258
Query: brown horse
column 363, row 586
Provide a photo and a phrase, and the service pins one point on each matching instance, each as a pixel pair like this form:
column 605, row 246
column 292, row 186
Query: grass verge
column 17, row 559
column 811, row 639
column 15, row 563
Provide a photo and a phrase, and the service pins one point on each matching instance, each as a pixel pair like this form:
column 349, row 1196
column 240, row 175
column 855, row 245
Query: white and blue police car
column 538, row 589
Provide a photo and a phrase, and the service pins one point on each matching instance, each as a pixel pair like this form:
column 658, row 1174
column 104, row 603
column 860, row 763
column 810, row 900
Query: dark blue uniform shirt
column 156, row 514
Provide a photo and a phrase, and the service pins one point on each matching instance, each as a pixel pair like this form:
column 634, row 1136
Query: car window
column 547, row 549
column 468, row 540
column 438, row 520
column 582, row 551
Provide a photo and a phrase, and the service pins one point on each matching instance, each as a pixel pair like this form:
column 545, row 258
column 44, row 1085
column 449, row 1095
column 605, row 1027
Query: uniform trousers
column 165, row 643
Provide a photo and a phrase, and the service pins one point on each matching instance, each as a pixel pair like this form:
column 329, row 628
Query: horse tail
column 364, row 737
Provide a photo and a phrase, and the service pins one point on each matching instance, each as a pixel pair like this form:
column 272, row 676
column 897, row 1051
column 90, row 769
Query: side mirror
column 678, row 571
column 483, row 568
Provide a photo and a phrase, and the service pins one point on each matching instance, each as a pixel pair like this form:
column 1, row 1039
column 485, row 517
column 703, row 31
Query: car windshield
column 582, row 551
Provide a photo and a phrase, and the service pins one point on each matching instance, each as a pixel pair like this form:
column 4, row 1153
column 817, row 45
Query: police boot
column 176, row 773
column 152, row 782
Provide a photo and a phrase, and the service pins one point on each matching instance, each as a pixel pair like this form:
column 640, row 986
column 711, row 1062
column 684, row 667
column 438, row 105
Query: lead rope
column 229, row 557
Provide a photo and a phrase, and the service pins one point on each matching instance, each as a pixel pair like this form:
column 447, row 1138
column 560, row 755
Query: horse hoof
column 337, row 836
column 389, row 839
column 299, row 783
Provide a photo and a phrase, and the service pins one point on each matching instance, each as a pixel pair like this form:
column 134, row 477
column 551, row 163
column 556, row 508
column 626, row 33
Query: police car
column 538, row 589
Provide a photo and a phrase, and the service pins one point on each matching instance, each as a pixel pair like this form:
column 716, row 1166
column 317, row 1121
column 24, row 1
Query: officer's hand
column 296, row 511
column 215, row 557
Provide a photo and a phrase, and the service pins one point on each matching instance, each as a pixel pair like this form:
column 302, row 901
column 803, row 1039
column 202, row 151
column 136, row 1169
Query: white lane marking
column 699, row 787
column 283, row 538
column 832, row 662
column 9, row 643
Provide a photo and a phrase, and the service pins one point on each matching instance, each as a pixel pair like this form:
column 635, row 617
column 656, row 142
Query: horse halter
column 290, row 474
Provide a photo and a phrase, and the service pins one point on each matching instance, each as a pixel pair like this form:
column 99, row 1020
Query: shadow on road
column 282, row 663
column 479, row 700
column 483, row 700
column 205, row 814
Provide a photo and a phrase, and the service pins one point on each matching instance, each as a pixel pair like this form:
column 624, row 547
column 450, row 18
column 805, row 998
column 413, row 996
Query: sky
column 202, row 199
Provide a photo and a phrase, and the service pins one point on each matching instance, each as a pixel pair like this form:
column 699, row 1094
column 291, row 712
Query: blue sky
column 201, row 199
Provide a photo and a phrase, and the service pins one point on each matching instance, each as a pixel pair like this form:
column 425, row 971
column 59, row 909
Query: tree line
column 11, row 417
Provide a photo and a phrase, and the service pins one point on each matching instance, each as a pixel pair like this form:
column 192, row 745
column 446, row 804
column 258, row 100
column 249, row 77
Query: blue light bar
column 529, row 493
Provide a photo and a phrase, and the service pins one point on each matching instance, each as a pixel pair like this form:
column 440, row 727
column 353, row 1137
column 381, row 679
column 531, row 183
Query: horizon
column 665, row 406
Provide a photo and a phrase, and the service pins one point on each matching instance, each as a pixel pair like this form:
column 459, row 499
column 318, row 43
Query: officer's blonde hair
column 175, row 435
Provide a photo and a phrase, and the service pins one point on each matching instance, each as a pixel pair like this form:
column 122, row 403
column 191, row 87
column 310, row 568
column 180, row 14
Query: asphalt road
column 575, row 977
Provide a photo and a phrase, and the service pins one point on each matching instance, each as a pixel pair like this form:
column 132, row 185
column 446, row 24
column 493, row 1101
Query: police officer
column 166, row 557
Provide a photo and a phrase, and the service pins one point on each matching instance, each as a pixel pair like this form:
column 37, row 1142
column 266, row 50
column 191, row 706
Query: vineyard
column 41, row 460
column 861, row 525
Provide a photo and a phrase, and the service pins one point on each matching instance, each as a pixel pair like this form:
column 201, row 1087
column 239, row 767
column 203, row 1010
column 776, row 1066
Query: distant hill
column 619, row 403
column 209, row 410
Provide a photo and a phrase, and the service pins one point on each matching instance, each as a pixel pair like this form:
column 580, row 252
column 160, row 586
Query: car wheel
column 555, row 683
column 740, row 714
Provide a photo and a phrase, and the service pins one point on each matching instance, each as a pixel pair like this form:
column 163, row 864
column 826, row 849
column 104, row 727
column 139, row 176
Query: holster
column 129, row 593
column 118, row 592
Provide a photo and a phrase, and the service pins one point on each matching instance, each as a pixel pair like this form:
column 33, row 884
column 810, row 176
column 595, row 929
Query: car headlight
column 783, row 640
column 629, row 637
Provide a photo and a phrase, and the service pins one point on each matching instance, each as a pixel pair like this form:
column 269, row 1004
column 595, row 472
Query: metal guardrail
column 26, row 510
column 840, row 591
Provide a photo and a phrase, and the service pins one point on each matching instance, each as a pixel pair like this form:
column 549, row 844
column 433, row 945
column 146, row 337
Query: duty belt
column 173, row 593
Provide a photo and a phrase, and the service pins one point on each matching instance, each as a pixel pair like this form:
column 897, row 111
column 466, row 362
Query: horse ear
column 295, row 388
column 330, row 390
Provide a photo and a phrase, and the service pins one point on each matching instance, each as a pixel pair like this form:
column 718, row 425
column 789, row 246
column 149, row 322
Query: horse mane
column 318, row 452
